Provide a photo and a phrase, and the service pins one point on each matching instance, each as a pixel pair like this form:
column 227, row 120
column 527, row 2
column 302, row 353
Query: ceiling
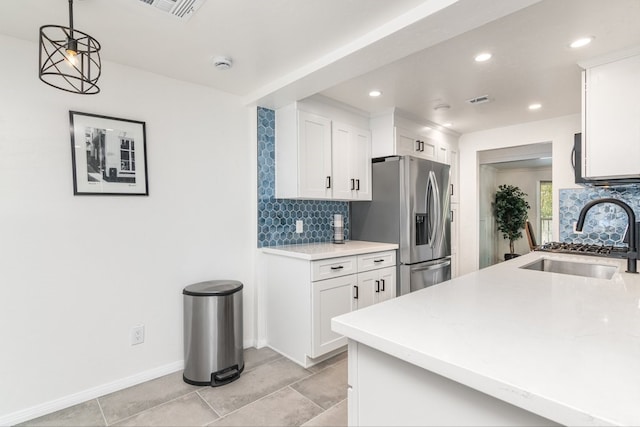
column 419, row 53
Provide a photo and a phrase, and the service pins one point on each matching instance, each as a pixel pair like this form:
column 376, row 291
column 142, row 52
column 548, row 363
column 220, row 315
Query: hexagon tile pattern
column 277, row 217
column 605, row 223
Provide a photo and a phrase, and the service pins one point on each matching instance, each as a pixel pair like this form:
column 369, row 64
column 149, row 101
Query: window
column 127, row 156
column 546, row 211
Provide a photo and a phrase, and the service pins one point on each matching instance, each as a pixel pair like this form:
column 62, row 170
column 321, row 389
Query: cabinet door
column 429, row 148
column 343, row 173
column 375, row 286
column 330, row 298
column 412, row 144
column 387, row 279
column 443, row 153
column 351, row 162
column 407, row 143
column 611, row 125
column 455, row 188
column 365, row 292
column 361, row 163
column 314, row 156
column 455, row 225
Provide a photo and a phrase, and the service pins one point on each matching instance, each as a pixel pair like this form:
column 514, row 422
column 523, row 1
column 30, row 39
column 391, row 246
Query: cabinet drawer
column 333, row 267
column 376, row 260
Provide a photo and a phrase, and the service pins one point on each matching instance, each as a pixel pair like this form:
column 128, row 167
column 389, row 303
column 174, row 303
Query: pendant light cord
column 71, row 18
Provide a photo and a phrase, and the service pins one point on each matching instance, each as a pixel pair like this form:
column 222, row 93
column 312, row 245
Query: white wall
column 78, row 272
column 559, row 131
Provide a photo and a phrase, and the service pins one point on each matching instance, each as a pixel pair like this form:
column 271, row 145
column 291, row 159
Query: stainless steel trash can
column 213, row 332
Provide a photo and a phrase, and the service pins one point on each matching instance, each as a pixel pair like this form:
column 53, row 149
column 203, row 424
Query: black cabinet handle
column 355, row 288
column 353, row 184
column 451, row 216
column 421, row 145
column 451, row 189
column 377, row 285
column 328, row 182
column 340, row 267
column 417, row 145
column 378, row 260
column 382, row 280
column 358, row 184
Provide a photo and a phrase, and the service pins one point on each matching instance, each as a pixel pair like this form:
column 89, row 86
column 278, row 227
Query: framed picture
column 109, row 155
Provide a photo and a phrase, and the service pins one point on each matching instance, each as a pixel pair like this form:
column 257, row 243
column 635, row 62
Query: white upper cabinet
column 408, row 143
column 314, row 156
column 320, row 158
column 351, row 151
column 611, row 108
column 395, row 135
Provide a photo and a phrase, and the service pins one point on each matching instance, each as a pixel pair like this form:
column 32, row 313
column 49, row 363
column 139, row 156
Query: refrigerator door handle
column 433, row 266
column 435, row 196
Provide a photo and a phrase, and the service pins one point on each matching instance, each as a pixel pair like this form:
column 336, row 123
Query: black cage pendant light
column 69, row 59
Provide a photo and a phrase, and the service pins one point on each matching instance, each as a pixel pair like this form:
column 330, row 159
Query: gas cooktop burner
column 580, row 248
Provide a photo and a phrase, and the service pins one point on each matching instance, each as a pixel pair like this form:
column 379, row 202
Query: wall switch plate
column 137, row 335
column 299, row 226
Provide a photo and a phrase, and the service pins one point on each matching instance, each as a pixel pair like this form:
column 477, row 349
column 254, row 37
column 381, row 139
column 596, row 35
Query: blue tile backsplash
column 605, row 223
column 277, row 217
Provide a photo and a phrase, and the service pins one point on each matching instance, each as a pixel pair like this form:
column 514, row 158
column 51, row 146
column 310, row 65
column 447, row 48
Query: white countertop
column 564, row 347
column 315, row 251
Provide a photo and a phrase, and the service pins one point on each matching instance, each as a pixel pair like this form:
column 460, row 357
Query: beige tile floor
column 272, row 391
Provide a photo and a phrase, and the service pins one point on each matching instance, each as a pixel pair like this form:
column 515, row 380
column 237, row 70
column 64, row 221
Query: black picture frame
column 109, row 155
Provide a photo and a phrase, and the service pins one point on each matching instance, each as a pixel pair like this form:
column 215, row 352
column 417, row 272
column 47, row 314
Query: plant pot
column 507, row 257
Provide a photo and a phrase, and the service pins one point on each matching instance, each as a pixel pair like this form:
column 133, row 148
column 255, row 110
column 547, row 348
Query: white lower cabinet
column 331, row 298
column 303, row 296
column 374, row 286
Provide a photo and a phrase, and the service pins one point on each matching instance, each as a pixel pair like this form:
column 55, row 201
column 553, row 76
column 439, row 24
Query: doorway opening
column 527, row 167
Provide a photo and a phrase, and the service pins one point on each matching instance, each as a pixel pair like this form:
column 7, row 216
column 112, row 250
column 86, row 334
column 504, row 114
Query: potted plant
column 511, row 214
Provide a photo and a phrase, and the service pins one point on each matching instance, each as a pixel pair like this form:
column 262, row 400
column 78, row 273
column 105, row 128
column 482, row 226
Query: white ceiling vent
column 479, row 100
column 182, row 9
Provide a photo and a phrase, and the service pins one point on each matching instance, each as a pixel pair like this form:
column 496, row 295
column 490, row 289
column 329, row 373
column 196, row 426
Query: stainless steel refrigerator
column 410, row 207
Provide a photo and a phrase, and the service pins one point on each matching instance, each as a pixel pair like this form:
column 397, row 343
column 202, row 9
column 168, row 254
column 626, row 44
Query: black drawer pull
column 377, row 285
column 353, row 184
column 358, row 184
column 382, row 280
column 355, row 287
column 378, row 260
column 340, row 267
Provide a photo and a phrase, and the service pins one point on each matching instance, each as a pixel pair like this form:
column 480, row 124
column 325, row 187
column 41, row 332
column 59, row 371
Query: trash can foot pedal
column 225, row 376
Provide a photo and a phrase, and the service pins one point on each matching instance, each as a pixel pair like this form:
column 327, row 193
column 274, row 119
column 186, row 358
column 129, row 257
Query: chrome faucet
column 632, row 252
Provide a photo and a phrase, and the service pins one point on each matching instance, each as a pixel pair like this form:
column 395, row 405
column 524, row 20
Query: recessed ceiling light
column 442, row 107
column 581, row 42
column 481, row 57
column 375, row 93
column 447, row 125
column 535, row 106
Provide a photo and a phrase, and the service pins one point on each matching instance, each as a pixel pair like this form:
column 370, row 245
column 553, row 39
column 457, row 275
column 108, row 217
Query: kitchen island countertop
column 315, row 251
column 561, row 346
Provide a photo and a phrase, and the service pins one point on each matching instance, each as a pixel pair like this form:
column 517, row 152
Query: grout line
column 154, row 407
column 106, row 423
column 209, row 405
column 323, row 410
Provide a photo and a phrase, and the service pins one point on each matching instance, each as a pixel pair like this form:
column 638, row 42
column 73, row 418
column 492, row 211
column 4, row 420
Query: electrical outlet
column 137, row 335
column 299, row 226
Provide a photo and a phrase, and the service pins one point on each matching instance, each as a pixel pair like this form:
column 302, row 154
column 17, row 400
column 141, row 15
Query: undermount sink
column 597, row 271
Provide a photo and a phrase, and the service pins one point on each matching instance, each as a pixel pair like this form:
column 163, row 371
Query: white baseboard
column 92, row 393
